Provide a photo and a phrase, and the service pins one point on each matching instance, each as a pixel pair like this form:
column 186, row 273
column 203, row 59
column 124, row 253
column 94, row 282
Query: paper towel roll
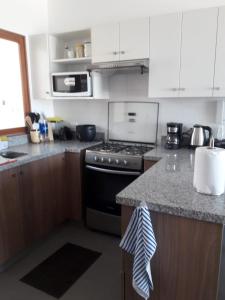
column 209, row 170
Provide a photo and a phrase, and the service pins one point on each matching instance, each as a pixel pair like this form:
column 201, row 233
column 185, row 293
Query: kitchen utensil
column 86, row 133
column 198, row 137
column 29, row 122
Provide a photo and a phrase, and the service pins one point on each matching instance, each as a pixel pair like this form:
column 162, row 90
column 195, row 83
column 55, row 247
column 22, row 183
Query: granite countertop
column 168, row 188
column 39, row 151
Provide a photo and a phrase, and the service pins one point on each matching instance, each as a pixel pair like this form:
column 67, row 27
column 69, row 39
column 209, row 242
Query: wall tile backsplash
column 133, row 86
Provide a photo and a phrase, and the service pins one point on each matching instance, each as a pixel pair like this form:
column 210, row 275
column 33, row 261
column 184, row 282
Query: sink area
column 12, row 154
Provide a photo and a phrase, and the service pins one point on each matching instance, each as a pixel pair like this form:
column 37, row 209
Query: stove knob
column 117, row 161
column 109, row 160
column 96, row 158
column 102, row 159
column 125, row 162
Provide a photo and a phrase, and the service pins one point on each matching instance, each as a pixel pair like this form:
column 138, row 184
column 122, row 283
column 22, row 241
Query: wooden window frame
column 20, row 39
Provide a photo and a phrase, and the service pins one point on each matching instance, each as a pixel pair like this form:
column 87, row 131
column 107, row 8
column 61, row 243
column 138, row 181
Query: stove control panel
column 113, row 160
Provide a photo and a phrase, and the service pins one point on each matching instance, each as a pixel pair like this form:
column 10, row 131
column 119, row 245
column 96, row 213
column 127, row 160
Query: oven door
column 102, row 186
column 71, row 84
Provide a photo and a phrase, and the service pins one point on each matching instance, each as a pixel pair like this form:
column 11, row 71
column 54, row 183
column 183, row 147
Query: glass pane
column 11, row 96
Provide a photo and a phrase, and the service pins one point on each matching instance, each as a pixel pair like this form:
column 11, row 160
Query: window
column 14, row 91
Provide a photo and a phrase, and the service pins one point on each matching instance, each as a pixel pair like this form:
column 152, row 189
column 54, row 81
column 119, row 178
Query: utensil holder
column 35, row 136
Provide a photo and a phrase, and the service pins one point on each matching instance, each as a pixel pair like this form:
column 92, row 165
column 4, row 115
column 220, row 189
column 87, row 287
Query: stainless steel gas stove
column 118, row 155
column 111, row 166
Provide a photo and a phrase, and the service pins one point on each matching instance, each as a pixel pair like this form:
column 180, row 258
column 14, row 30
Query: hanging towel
column 139, row 240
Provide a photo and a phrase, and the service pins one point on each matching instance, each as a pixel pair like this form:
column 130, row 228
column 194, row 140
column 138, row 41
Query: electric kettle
column 198, row 137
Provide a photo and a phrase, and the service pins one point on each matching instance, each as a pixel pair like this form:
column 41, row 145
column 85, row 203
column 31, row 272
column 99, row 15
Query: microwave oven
column 69, row 84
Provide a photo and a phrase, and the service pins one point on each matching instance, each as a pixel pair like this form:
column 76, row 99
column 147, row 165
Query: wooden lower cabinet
column 186, row 263
column 149, row 163
column 58, row 180
column 74, row 172
column 36, row 197
column 11, row 215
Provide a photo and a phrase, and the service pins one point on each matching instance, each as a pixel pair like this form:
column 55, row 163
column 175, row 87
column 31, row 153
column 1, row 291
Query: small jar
column 87, row 49
column 79, row 50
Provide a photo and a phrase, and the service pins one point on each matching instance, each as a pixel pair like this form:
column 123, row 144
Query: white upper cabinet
column 39, row 66
column 165, row 46
column 105, row 43
column 219, row 79
column 134, row 39
column 123, row 41
column 199, row 31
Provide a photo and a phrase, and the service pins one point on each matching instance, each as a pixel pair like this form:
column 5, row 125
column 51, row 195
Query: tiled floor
column 100, row 282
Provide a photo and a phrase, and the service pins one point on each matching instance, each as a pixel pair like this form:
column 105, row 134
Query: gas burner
column 117, row 155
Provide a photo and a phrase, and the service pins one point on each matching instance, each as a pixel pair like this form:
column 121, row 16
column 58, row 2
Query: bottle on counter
column 43, row 128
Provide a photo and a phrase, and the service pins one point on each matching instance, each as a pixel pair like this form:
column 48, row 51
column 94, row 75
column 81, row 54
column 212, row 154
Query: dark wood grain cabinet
column 186, row 263
column 11, row 215
column 36, row 197
column 148, row 164
column 74, row 172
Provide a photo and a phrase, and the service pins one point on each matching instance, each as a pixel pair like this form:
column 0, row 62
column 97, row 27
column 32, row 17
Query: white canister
column 209, row 171
column 87, row 49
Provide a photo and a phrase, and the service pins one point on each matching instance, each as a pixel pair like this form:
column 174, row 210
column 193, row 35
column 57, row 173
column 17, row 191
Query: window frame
column 21, row 40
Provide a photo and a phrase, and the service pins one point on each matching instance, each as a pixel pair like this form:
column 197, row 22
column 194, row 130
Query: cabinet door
column 11, row 217
column 39, row 66
column 59, row 192
column 74, row 177
column 198, row 52
column 105, row 43
column 37, row 201
column 219, row 79
column 134, row 39
column 165, row 45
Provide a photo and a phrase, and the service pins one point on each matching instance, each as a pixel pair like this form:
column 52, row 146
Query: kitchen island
column 190, row 259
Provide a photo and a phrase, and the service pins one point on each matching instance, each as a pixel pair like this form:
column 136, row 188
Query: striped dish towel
column 139, row 240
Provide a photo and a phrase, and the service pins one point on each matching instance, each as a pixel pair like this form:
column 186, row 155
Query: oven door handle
column 109, row 171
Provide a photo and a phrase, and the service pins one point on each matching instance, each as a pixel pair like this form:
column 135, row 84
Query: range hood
column 143, row 64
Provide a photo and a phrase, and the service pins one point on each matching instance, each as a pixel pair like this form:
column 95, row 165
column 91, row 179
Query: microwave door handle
column 116, row 172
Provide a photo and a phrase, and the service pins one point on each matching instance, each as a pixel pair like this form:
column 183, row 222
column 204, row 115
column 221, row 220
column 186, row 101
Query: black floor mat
column 57, row 273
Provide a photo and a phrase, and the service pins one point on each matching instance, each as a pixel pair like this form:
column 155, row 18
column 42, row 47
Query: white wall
column 24, row 16
column 70, row 15
column 133, row 87
column 83, row 112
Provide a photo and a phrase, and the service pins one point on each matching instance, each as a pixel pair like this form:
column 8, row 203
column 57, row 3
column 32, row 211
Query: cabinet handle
column 182, row 89
column 115, row 52
column 21, row 172
column 14, row 175
column 216, row 88
column 47, row 93
column 175, row 89
column 122, row 52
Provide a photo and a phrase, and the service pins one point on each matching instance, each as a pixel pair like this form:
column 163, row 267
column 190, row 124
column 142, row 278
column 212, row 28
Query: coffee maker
column 174, row 134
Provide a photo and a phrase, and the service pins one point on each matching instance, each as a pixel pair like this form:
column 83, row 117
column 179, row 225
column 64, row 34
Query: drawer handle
column 216, row 88
column 122, row 52
column 182, row 89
